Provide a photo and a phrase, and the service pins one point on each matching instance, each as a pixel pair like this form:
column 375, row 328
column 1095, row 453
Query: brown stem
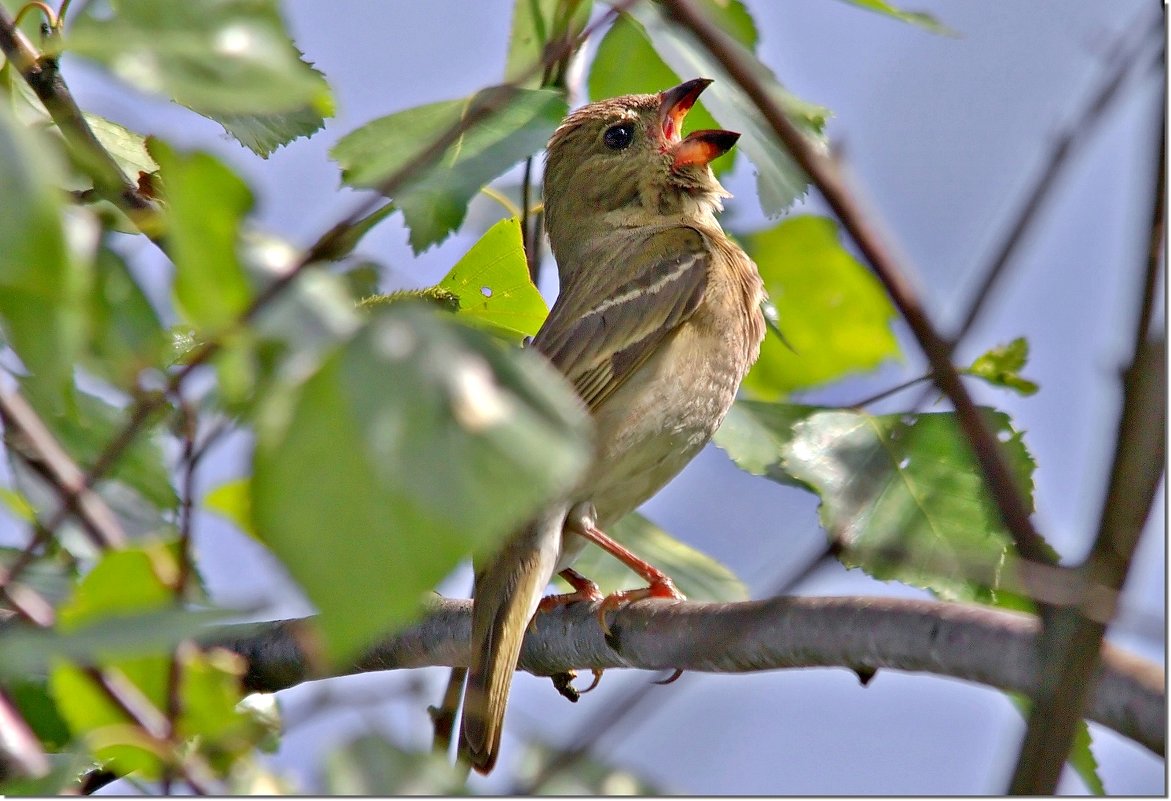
column 1072, row 643
column 829, row 180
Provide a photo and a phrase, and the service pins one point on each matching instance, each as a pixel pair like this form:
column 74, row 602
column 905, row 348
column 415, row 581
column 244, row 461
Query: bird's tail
column 506, row 596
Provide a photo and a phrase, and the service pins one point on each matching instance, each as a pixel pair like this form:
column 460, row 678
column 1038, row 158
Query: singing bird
column 656, row 322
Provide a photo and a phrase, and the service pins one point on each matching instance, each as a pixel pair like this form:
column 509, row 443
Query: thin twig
column 330, row 243
column 42, row 74
column 126, row 697
column 1071, row 645
column 864, row 230
column 1075, row 134
column 30, row 439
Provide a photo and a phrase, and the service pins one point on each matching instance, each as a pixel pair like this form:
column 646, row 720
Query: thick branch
column 975, row 643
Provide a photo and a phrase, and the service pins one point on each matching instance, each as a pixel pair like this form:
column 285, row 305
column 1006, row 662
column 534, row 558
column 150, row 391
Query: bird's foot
column 660, row 587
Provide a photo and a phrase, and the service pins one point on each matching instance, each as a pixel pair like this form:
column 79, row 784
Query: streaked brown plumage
column 657, row 321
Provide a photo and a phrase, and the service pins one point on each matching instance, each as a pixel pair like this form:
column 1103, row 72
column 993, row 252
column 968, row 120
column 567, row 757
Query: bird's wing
column 598, row 342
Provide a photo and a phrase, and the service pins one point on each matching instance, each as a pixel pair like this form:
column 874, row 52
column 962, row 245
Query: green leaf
column 922, row 19
column 535, row 23
column 50, row 575
column 903, row 493
column 590, row 776
column 232, row 500
column 211, row 712
column 697, row 575
column 36, row 707
column 626, row 43
column 264, row 132
column 213, row 56
column 26, row 651
column 778, row 180
column 512, row 124
column 87, row 425
column 415, row 443
column 1002, row 365
column 1081, row 754
column 835, row 316
column 126, row 146
column 206, row 203
column 125, row 333
column 371, row 765
column 123, row 582
column 1083, row 761
column 493, row 286
column 41, row 284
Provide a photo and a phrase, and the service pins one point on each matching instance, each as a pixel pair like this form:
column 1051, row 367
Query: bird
column 657, row 320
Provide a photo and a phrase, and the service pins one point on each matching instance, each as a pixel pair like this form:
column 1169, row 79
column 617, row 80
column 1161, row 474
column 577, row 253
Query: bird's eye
column 619, row 137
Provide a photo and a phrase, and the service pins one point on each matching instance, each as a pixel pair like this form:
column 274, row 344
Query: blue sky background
column 943, row 136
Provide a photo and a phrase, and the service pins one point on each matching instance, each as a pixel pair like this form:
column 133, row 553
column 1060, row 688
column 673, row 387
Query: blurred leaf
column 233, row 501
column 590, row 775
column 87, row 427
column 206, row 203
column 211, row 709
column 35, row 705
column 492, row 283
column 778, row 180
column 41, row 285
column 902, row 493
column 51, row 576
column 535, row 23
column 126, row 146
column 413, row 444
column 512, row 125
column 26, row 651
column 105, row 729
column 125, row 334
column 1002, row 365
column 832, row 311
column 923, row 20
column 123, row 582
column 62, row 779
column 264, row 132
column 354, row 234
column 372, row 766
column 213, row 56
column 697, row 575
column 17, row 505
column 626, row 43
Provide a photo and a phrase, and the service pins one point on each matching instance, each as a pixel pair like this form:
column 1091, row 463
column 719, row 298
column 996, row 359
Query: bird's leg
column 582, row 521
column 583, row 590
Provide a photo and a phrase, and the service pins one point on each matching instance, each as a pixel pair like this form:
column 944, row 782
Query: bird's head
column 624, row 162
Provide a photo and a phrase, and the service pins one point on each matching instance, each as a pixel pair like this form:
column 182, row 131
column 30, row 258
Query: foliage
column 390, row 439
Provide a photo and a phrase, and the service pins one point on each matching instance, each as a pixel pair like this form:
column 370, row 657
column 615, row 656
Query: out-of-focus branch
column 864, row 230
column 1121, row 63
column 41, row 73
column 1072, row 642
column 979, row 644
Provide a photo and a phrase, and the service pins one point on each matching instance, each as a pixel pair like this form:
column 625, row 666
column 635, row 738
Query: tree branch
column 979, row 644
column 41, row 73
column 1071, row 644
column 864, row 230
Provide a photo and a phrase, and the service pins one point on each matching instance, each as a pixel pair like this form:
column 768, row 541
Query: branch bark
column 979, row 644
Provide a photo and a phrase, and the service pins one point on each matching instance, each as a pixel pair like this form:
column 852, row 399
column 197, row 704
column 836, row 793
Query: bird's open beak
column 700, row 147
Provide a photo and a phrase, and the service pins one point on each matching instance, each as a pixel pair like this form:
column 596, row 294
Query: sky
column 942, row 135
